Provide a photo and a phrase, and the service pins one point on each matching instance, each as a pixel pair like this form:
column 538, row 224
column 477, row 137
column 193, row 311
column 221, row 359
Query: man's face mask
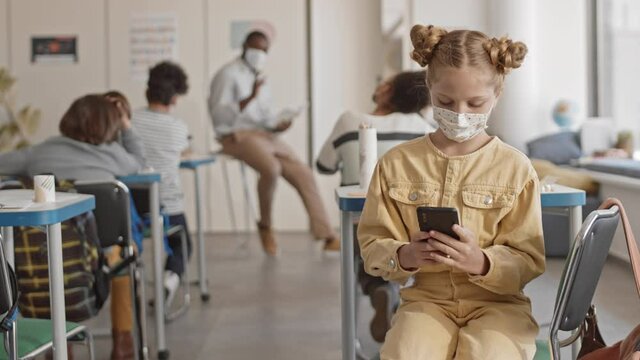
column 255, row 58
column 460, row 127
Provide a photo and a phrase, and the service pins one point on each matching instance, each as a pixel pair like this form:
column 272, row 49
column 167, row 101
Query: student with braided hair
column 466, row 300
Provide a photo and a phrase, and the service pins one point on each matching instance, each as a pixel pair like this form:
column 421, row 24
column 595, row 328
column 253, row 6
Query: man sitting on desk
column 240, row 108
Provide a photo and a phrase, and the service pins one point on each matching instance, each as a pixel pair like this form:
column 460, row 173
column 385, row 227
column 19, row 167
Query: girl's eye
column 445, row 103
column 476, row 105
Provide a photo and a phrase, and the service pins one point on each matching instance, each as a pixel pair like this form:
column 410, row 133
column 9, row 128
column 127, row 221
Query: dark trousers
column 174, row 261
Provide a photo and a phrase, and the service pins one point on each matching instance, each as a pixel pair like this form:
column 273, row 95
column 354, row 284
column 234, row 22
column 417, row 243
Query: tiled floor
column 289, row 307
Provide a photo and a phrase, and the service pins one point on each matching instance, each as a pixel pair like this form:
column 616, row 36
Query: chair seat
column 35, row 335
column 542, row 350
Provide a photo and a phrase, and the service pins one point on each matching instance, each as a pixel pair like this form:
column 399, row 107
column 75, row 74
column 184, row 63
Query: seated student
column 88, row 150
column 396, row 118
column 165, row 138
column 466, row 301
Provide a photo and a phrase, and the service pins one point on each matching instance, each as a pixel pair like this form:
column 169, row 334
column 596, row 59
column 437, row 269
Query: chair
column 579, row 280
column 141, row 200
column 113, row 218
column 250, row 212
column 28, row 338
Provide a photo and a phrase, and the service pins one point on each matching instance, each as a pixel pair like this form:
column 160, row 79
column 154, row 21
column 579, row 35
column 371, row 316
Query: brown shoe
column 332, row 244
column 268, row 240
column 122, row 345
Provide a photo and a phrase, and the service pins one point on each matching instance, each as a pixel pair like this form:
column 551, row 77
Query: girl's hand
column 416, row 253
column 464, row 254
column 126, row 122
column 124, row 118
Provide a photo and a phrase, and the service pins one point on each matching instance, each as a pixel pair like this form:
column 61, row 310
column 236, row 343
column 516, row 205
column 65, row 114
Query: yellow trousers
column 444, row 316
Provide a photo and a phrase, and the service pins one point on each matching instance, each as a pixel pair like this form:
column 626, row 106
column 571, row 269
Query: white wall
column 286, row 71
column 190, row 108
column 4, row 34
column 347, row 59
column 561, row 36
column 470, row 14
column 102, row 27
column 52, row 87
column 345, row 54
column 559, row 52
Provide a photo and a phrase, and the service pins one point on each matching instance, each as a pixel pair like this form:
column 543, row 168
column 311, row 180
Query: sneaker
column 382, row 301
column 171, row 284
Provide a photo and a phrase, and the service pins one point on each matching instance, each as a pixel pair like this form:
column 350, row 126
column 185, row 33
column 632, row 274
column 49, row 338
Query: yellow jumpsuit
column 448, row 314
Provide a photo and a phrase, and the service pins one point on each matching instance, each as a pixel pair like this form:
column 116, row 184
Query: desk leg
column 56, row 282
column 348, row 287
column 202, row 270
column 575, row 220
column 9, row 336
column 12, row 336
column 158, row 247
column 7, row 235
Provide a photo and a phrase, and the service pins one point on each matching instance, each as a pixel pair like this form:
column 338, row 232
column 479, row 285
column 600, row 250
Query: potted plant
column 16, row 127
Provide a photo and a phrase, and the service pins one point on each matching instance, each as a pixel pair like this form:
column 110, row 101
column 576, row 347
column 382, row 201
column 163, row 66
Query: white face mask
column 460, row 127
column 255, row 58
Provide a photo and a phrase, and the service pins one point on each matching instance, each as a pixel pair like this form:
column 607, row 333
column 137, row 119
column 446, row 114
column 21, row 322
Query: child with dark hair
column 165, row 138
column 399, row 101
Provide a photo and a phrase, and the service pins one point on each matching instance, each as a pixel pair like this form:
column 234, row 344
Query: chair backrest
column 140, row 198
column 582, row 270
column 112, row 211
column 7, row 291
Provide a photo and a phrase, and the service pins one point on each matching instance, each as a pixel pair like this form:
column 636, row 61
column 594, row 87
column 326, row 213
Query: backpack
column 86, row 285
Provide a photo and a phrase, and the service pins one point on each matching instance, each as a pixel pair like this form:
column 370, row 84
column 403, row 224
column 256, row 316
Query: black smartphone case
column 439, row 219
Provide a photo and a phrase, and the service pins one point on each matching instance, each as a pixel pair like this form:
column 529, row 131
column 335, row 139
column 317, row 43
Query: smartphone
column 440, row 219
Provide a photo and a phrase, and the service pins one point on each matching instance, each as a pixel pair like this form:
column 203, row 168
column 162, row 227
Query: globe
column 564, row 114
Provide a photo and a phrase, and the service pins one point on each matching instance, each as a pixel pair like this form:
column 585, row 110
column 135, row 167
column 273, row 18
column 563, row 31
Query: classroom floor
column 289, row 307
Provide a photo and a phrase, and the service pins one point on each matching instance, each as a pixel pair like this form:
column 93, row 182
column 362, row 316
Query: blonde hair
column 434, row 47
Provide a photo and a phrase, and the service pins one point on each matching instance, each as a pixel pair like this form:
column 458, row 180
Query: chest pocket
column 408, row 197
column 484, row 207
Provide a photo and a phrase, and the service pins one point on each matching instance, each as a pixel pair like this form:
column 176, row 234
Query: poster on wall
column 152, row 38
column 240, row 29
column 54, row 49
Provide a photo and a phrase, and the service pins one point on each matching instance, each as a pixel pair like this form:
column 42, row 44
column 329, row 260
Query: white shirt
column 341, row 150
column 230, row 85
column 164, row 138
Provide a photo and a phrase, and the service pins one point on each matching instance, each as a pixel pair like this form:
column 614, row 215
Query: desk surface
column 67, row 205
column 140, row 178
column 192, row 162
column 351, row 198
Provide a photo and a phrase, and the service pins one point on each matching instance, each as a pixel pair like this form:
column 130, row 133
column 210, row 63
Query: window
column 617, row 83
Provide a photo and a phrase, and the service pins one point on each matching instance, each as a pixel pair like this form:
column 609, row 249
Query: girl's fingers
column 444, row 249
column 444, row 259
column 419, row 236
column 464, row 234
column 447, row 240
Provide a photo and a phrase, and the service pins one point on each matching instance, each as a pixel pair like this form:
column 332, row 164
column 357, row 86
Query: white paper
column 368, row 143
column 15, row 204
column 153, row 37
column 44, row 187
column 290, row 113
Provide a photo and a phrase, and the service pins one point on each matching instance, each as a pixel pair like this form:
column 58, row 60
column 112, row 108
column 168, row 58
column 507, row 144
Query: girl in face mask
column 466, row 301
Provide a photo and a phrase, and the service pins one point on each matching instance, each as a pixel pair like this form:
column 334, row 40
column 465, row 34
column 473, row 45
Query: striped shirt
column 164, row 138
column 341, row 150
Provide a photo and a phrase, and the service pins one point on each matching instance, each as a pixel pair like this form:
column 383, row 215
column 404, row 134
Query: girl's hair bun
column 424, row 40
column 505, row 54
